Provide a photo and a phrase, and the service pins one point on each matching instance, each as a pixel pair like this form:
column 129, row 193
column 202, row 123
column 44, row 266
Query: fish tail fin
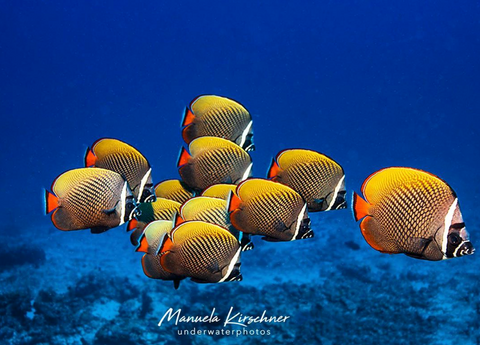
column 51, row 202
column 143, row 245
column 273, row 169
column 233, row 202
column 187, row 117
column 132, row 224
column 178, row 220
column 89, row 158
column 360, row 207
column 183, row 158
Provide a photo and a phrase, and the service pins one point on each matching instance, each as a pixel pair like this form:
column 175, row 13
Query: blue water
column 370, row 83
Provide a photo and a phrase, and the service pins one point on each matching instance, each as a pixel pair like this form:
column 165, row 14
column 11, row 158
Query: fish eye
column 454, row 239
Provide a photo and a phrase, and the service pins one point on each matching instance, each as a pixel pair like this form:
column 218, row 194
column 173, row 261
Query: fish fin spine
column 273, row 169
column 360, row 207
column 90, row 158
column 51, row 202
column 183, row 158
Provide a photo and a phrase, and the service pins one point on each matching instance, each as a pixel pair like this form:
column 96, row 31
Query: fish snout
column 305, row 231
column 466, row 248
column 148, row 195
column 235, row 275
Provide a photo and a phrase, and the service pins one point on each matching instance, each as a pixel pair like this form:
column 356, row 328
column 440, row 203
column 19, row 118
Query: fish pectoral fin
column 417, row 246
column 109, row 211
column 98, row 229
column 282, row 227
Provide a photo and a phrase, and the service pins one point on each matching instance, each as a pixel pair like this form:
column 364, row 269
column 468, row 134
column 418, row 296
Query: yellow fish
column 124, row 159
column 217, row 116
column 271, row 209
column 89, row 198
column 211, row 161
column 317, row 178
column 413, row 212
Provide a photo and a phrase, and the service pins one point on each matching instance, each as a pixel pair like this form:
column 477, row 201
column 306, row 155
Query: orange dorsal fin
column 183, row 158
column 90, row 158
column 273, row 169
column 188, row 117
column 360, row 207
column 233, row 202
column 143, row 244
column 51, row 202
column 132, row 224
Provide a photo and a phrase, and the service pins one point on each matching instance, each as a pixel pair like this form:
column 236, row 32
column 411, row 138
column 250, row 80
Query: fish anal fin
column 90, row 158
column 51, row 202
column 236, row 221
column 199, row 281
column 361, row 208
column 273, row 170
column 271, row 239
column 98, row 229
column 62, row 220
column 371, row 231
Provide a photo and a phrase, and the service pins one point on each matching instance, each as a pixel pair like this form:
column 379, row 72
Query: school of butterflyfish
column 198, row 226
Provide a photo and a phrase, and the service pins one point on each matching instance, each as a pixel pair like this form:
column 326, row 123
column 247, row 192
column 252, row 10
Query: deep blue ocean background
column 369, row 83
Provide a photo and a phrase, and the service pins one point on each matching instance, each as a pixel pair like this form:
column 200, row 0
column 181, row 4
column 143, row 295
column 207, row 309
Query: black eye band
column 457, row 226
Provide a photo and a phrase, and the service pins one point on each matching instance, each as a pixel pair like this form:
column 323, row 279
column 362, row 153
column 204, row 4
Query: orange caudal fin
column 233, row 202
column 183, row 158
column 132, row 224
column 360, row 207
column 178, row 220
column 51, row 202
column 188, row 117
column 142, row 244
column 90, row 158
column 273, row 169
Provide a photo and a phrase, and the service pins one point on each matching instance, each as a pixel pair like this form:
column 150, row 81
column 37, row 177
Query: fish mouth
column 250, row 147
column 340, row 201
column 465, row 249
column 150, row 198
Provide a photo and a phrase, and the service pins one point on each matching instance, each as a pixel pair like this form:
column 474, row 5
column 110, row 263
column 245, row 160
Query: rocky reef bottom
column 78, row 291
